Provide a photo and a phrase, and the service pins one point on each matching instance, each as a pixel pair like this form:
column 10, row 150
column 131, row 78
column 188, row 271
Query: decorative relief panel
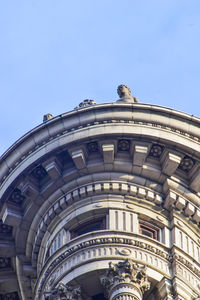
column 123, row 145
column 93, row 147
column 16, row 196
column 181, row 268
column 99, row 249
column 186, row 164
column 156, row 151
column 39, row 173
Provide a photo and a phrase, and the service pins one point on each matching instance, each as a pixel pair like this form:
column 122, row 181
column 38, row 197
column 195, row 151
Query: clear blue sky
column 54, row 54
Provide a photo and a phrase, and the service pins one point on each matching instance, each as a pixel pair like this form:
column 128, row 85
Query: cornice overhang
column 143, row 128
column 150, row 121
column 166, row 115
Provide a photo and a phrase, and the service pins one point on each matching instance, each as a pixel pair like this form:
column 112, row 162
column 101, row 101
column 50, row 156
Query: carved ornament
column 63, row 292
column 186, row 164
column 85, row 103
column 127, row 272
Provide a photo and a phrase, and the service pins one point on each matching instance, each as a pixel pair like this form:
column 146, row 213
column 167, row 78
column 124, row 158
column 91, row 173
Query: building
column 103, row 202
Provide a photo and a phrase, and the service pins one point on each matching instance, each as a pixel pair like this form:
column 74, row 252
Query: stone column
column 63, row 292
column 125, row 281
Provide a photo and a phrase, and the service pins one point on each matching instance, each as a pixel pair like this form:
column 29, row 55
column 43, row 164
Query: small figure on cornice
column 47, row 117
column 124, row 93
column 86, row 102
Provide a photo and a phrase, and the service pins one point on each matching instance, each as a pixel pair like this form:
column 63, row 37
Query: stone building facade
column 103, row 203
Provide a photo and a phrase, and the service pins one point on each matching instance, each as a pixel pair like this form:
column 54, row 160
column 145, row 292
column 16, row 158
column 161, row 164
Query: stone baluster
column 63, row 292
column 125, row 281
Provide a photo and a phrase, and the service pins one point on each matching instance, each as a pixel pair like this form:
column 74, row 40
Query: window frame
column 153, row 230
column 75, row 232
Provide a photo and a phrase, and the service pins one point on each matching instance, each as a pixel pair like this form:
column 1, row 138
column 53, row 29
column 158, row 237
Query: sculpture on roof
column 124, row 93
column 86, row 102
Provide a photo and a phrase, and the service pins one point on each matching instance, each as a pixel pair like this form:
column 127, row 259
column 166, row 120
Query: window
column 149, row 230
column 88, row 227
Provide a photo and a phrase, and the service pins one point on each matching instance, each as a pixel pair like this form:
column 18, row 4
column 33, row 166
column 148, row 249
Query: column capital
column 125, row 277
column 63, row 292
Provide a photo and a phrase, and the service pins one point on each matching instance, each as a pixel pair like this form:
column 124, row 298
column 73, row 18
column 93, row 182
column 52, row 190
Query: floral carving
column 123, row 145
column 63, row 292
column 92, row 147
column 124, row 252
column 16, row 196
column 187, row 164
column 126, row 272
column 156, row 151
column 39, row 173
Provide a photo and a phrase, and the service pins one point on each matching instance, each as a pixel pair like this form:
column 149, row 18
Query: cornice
column 117, row 113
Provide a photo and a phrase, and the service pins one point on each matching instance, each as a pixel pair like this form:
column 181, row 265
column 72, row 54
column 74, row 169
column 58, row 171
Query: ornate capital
column 63, row 292
column 125, row 274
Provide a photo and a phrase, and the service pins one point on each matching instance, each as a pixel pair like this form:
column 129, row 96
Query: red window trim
column 153, row 230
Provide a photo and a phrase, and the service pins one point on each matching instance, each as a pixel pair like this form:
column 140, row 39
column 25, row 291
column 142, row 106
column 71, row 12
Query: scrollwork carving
column 126, row 272
column 63, row 292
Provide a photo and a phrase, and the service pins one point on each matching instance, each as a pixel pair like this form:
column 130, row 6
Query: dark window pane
column 89, row 227
column 98, row 297
column 145, row 232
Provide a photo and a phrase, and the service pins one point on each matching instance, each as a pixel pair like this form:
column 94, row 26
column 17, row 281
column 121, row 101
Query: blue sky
column 54, row 54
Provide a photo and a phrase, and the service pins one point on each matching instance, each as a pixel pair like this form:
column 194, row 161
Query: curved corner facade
column 103, row 203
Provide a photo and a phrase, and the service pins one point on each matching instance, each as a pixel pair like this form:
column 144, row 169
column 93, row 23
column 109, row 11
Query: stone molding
column 172, row 199
column 182, row 204
column 98, row 188
column 161, row 129
column 7, row 169
column 187, row 264
column 119, row 188
column 105, row 247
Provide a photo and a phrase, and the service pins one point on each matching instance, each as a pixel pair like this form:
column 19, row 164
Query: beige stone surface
column 146, row 206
